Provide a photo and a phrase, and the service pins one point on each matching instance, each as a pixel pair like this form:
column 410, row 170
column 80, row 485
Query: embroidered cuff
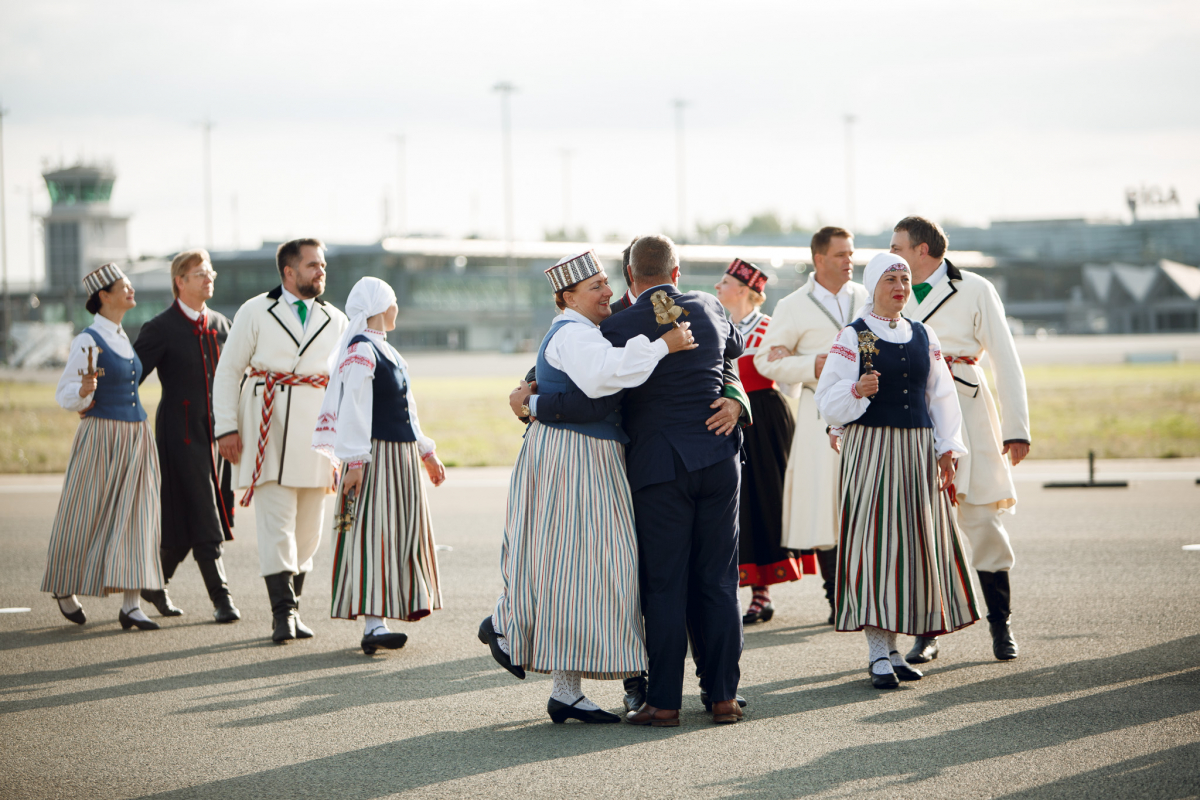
column 428, row 455
column 854, row 391
column 357, row 463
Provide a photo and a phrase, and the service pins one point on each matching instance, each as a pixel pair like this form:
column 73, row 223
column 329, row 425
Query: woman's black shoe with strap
column 561, row 712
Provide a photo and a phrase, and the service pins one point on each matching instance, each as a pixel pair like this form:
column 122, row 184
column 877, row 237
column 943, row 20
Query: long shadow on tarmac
column 332, row 692
column 430, row 759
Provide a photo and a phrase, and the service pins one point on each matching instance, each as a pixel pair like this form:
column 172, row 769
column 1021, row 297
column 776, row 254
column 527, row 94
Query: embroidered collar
column 749, row 322
column 888, row 320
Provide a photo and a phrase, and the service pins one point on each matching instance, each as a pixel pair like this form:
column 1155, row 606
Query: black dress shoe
column 905, row 672
column 763, row 614
column 161, row 601
column 924, row 650
column 77, row 616
column 1004, row 647
column 708, row 703
column 488, row 635
column 561, row 712
column 386, row 640
column 128, row 622
column 635, row 693
column 885, row 681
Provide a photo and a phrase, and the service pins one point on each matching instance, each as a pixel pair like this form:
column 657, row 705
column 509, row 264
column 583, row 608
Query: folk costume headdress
column 370, row 296
column 748, row 274
column 102, row 278
column 573, row 269
column 880, row 264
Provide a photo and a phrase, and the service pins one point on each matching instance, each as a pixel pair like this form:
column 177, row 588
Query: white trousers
column 991, row 550
column 289, row 522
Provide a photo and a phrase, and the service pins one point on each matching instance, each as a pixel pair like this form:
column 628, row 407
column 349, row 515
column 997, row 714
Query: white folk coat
column 965, row 311
column 267, row 335
column 801, row 324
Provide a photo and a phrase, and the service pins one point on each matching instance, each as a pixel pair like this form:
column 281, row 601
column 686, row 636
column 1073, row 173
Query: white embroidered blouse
column 840, row 403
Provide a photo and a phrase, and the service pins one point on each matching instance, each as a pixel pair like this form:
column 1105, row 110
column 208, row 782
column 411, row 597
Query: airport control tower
column 81, row 232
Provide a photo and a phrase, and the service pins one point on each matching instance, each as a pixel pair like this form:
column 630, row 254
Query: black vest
column 389, row 401
column 903, row 375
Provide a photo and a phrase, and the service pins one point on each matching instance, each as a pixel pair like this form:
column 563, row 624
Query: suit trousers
column 289, row 522
column 172, row 557
column 991, row 550
column 688, row 545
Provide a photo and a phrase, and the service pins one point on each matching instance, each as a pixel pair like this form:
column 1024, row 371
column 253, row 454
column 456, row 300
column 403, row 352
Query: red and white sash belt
column 273, row 379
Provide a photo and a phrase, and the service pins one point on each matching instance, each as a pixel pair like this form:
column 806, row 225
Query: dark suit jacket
column 667, row 413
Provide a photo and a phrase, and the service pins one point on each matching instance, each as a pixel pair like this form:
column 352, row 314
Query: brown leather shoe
column 726, row 712
column 654, row 717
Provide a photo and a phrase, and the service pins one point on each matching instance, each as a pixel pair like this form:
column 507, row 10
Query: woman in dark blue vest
column 107, row 530
column 384, row 555
column 571, row 605
column 887, row 392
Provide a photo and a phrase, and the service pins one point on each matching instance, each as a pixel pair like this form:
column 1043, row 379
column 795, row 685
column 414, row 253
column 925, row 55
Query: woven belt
column 961, row 360
column 273, row 379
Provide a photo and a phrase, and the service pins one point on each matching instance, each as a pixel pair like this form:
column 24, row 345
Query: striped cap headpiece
column 748, row 274
column 573, row 269
column 101, row 278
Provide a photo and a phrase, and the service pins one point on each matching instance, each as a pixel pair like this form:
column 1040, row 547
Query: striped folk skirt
column 901, row 565
column 107, row 530
column 570, row 559
column 384, row 558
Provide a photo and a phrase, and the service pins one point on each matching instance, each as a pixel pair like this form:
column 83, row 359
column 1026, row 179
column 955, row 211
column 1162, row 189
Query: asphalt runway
column 1104, row 701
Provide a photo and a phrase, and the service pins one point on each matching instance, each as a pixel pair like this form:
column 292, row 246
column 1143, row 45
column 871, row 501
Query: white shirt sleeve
column 425, row 445
column 836, row 397
column 67, row 393
column 941, row 398
column 353, row 443
column 598, row 368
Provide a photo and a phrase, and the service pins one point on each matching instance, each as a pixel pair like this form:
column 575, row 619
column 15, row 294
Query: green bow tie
column 921, row 290
column 302, row 310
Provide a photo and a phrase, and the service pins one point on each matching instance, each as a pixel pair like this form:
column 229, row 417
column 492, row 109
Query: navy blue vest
column 903, row 374
column 117, row 391
column 389, row 399
column 551, row 380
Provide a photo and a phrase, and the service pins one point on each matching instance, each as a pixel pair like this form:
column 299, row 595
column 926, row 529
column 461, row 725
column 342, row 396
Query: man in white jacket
column 804, row 326
column 966, row 313
column 267, row 394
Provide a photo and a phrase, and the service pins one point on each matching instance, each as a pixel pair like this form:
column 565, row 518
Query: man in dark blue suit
column 685, row 484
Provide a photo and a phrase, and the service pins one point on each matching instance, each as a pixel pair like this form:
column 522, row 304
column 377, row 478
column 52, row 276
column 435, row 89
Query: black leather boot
column 635, row 692
column 213, row 573
column 924, row 650
column 283, row 606
column 997, row 596
column 827, row 560
column 302, row 630
column 161, row 601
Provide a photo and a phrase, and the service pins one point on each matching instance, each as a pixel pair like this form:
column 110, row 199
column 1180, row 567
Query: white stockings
column 374, row 625
column 132, row 605
column 568, row 688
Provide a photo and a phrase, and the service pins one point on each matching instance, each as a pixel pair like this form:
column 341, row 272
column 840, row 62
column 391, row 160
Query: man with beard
column 268, row 389
column 968, row 316
column 183, row 343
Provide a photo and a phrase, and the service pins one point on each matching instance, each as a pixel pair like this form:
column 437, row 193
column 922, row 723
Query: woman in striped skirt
column 107, row 530
column 901, row 566
column 571, row 605
column 384, row 557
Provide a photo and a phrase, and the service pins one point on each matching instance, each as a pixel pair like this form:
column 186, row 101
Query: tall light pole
column 849, row 120
column 506, row 89
column 4, row 244
column 566, row 189
column 680, row 189
column 401, row 186
column 206, row 125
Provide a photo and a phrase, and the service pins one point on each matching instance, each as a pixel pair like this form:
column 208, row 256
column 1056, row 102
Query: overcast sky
column 966, row 112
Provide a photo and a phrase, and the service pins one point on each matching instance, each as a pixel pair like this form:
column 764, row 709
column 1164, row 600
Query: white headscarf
column 370, row 296
column 876, row 267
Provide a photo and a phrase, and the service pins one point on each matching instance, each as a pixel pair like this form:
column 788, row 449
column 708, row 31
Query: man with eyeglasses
column 183, row 343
